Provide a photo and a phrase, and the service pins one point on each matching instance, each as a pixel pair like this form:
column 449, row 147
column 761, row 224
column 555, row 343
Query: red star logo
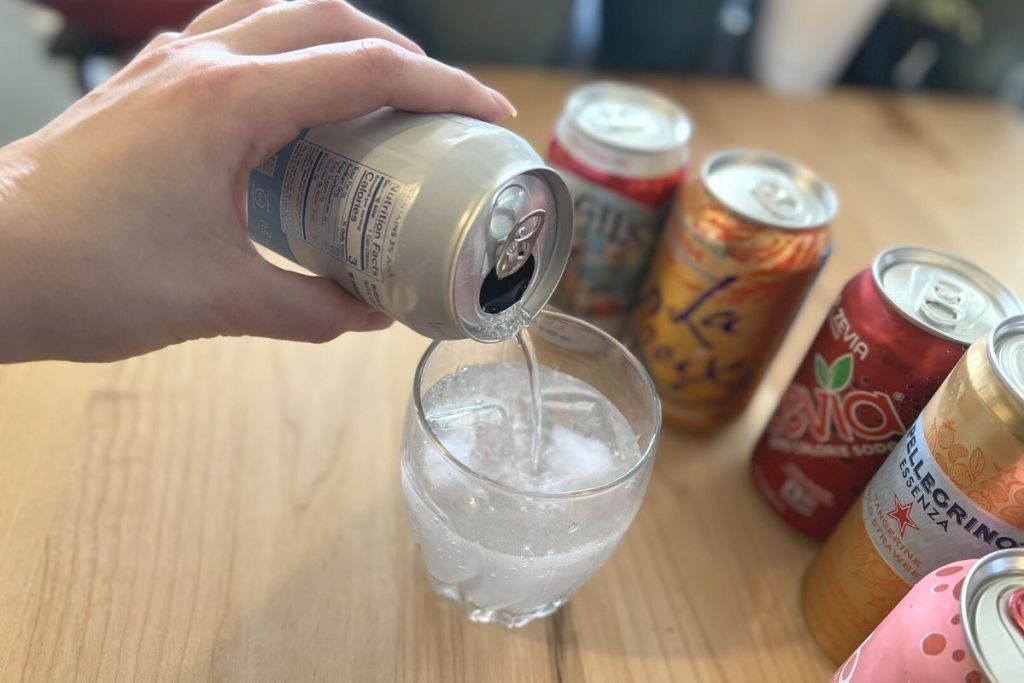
column 901, row 513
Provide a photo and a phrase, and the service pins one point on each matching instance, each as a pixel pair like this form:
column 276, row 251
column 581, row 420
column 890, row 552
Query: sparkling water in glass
column 506, row 536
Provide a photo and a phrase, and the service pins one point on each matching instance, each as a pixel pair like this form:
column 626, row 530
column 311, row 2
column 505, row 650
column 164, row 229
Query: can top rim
column 1000, row 299
column 986, row 620
column 555, row 238
column 1006, row 354
column 769, row 189
column 628, row 118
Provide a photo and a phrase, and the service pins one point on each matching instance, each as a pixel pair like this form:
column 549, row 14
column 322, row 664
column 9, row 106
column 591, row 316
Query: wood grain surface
column 230, row 509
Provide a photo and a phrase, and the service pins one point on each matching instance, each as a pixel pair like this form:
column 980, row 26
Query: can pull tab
column 776, row 198
column 944, row 304
column 516, row 248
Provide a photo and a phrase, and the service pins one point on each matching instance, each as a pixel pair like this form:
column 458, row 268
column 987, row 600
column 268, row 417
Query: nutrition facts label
column 345, row 209
column 348, row 211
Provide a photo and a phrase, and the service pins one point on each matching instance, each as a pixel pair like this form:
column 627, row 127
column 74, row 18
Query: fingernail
column 377, row 321
column 504, row 103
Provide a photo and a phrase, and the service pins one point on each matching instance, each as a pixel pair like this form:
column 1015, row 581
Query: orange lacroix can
column 742, row 246
column 951, row 490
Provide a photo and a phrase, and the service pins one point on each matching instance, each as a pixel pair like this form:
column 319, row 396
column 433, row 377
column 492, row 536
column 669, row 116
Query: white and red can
column 623, row 151
column 963, row 623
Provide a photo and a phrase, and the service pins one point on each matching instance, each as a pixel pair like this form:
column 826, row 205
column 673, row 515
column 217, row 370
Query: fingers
column 160, row 40
column 337, row 82
column 224, row 14
column 281, row 304
column 320, row 61
column 290, row 26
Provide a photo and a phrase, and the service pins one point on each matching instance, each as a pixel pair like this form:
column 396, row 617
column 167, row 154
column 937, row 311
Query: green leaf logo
column 821, row 371
column 842, row 372
column 834, row 377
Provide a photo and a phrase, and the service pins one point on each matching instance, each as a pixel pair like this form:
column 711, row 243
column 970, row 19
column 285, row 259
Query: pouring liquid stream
column 533, row 372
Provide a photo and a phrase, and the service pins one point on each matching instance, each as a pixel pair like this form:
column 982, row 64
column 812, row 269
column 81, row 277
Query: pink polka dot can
column 963, row 623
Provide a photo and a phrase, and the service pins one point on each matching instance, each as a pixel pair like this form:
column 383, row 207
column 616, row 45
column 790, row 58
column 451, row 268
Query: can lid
column 944, row 294
column 628, row 118
column 769, row 189
column 990, row 608
column 513, row 254
column 1007, row 349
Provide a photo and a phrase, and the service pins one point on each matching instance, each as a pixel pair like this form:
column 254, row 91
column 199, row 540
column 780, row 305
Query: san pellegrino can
column 623, row 151
column 952, row 489
column 453, row 226
column 964, row 622
column 888, row 342
column 741, row 248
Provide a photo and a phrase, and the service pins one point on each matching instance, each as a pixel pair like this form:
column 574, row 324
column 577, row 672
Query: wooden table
column 230, row 509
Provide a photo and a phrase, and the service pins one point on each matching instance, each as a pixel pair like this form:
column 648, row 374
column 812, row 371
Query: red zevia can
column 895, row 332
column 962, row 623
column 622, row 151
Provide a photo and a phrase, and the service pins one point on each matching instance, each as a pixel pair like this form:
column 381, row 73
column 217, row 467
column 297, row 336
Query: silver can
column 452, row 226
column 992, row 612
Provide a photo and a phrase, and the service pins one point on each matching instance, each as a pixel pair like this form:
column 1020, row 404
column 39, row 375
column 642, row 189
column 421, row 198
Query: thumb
column 281, row 304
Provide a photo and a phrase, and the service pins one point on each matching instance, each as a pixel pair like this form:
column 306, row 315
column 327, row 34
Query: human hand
column 122, row 222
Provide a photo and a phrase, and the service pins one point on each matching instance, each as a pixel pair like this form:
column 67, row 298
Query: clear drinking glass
column 507, row 535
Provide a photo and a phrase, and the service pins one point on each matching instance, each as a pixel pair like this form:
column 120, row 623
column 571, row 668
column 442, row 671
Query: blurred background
column 53, row 50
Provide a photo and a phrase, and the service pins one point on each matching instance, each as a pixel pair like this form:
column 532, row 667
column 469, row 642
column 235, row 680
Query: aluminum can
column 963, row 622
column 623, row 151
column 741, row 248
column 888, row 342
column 952, row 489
column 452, row 226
